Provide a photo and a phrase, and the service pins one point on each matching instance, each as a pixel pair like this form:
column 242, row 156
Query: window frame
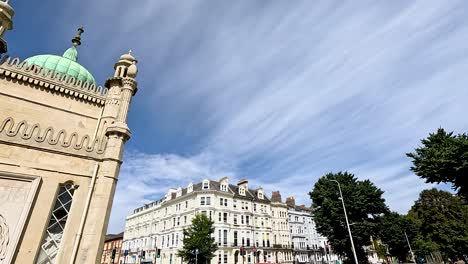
column 60, row 222
column 206, row 185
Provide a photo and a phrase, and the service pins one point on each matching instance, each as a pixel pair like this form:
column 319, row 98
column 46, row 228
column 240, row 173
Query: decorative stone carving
column 73, row 142
column 129, row 82
column 52, row 80
column 17, row 193
column 4, row 238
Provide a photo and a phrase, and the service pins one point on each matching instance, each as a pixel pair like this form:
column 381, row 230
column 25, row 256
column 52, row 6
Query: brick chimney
column 290, row 201
column 276, row 197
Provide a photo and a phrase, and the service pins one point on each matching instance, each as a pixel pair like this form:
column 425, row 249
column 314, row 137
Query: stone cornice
column 23, row 134
column 119, row 129
column 52, row 80
column 113, row 81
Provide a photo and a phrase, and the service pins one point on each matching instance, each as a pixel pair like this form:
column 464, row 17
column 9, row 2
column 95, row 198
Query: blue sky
column 279, row 92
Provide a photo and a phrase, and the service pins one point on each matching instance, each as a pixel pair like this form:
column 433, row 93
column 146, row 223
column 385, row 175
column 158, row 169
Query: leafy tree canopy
column 198, row 236
column 443, row 157
column 364, row 205
column 392, row 233
column 441, row 220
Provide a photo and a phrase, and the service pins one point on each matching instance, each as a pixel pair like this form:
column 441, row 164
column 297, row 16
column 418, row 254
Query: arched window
column 58, row 219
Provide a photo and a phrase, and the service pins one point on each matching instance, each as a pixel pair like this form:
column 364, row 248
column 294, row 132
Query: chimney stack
column 290, row 201
column 276, row 197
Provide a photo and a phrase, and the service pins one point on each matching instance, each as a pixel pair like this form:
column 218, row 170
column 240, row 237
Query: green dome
column 64, row 64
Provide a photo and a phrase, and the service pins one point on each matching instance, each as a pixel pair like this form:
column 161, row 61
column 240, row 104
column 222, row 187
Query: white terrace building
column 243, row 218
column 309, row 246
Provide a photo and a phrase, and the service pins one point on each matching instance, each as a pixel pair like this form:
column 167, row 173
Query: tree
column 443, row 158
column 441, row 221
column 198, row 236
column 392, row 233
column 364, row 204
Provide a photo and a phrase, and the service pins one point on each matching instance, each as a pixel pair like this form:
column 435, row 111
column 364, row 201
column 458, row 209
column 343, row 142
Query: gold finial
column 77, row 39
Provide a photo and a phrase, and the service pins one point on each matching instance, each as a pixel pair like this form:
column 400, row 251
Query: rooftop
column 250, row 194
column 110, row 237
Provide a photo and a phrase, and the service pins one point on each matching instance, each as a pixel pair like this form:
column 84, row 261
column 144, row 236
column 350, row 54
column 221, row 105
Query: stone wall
column 52, row 132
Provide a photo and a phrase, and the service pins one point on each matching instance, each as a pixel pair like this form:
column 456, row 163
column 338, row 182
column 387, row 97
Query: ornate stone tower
column 6, row 23
column 61, row 144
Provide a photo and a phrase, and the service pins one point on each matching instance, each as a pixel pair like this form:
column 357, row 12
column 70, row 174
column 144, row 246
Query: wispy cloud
column 147, row 177
column 279, row 92
column 285, row 93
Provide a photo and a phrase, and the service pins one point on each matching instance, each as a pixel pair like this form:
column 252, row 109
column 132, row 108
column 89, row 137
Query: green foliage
column 381, row 249
column 441, row 220
column 443, row 158
column 364, row 203
column 392, row 233
column 198, row 235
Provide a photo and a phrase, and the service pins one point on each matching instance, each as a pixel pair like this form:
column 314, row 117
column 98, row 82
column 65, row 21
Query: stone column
column 128, row 90
column 121, row 90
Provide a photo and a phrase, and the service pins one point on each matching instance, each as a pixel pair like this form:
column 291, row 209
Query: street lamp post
column 412, row 255
column 347, row 223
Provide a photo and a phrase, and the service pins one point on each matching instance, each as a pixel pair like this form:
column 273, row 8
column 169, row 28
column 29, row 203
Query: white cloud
column 145, row 178
column 283, row 92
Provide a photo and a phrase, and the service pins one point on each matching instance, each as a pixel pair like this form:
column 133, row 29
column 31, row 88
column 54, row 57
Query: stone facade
column 61, row 144
column 269, row 229
column 282, row 243
column 309, row 245
column 242, row 217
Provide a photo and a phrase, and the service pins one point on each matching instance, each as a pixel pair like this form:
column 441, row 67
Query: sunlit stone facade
column 242, row 217
column 61, row 143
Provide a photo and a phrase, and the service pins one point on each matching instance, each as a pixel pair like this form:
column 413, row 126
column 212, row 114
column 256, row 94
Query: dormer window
column 260, row 195
column 206, row 184
column 179, row 192
column 224, row 187
column 190, row 188
column 241, row 191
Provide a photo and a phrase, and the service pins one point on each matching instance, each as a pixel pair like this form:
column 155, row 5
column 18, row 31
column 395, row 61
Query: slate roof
column 250, row 194
column 110, row 237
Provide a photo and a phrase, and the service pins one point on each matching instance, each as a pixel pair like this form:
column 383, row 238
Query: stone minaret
column 6, row 23
column 122, row 86
column 121, row 89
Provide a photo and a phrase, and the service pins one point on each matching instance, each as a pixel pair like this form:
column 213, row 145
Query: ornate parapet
column 52, row 80
column 35, row 137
